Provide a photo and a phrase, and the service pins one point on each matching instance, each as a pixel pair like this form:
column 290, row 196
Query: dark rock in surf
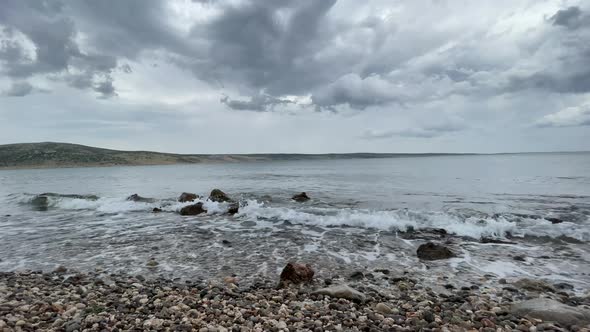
column 431, row 251
column 554, row 220
column 233, row 208
column 520, row 258
column 187, row 197
column 217, row 195
column 156, row 210
column 493, row 240
column 296, row 273
column 302, row 197
column 137, row 198
column 193, row 210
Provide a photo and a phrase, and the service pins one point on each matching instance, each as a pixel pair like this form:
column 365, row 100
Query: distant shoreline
column 48, row 155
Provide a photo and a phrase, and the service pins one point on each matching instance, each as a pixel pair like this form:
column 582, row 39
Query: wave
column 472, row 224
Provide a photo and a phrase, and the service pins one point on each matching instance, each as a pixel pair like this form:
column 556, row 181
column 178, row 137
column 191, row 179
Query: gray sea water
column 364, row 214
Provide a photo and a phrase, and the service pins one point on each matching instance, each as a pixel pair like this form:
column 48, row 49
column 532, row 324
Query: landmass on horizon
column 56, row 155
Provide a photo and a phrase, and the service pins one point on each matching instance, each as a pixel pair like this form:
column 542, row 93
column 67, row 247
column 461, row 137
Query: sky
column 297, row 76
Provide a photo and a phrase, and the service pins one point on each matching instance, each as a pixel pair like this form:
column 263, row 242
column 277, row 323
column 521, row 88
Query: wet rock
column 61, row 269
column 302, row 197
column 217, row 195
column 342, row 292
column 296, row 273
column 554, row 220
column 137, row 198
column 534, row 285
column 193, row 210
column 563, row 286
column 357, row 275
column 550, row 310
column 156, row 210
column 233, row 208
column 187, row 197
column 520, row 258
column 494, row 240
column 432, row 251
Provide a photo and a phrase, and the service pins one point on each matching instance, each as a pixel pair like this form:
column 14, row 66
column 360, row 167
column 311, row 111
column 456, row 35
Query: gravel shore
column 69, row 301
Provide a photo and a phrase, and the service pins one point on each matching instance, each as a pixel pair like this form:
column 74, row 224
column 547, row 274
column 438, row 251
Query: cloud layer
column 424, row 74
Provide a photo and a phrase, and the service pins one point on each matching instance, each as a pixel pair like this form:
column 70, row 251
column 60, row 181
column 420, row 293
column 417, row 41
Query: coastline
column 65, row 300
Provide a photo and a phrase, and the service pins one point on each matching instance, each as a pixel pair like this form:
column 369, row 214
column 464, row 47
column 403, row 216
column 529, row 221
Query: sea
column 505, row 216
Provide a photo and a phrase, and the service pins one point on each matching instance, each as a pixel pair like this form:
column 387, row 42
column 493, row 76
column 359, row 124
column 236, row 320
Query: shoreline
column 65, row 300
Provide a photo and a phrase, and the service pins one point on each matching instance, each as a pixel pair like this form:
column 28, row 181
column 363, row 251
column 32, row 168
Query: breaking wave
column 474, row 225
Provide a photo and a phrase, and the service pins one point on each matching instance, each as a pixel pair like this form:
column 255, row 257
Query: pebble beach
column 65, row 300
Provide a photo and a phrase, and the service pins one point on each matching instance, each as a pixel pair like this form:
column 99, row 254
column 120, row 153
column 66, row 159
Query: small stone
column 383, row 308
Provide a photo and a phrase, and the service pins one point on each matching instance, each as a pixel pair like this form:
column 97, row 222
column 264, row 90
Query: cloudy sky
column 246, row 76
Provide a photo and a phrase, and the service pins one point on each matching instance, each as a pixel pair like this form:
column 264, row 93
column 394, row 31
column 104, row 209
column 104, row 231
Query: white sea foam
column 390, row 220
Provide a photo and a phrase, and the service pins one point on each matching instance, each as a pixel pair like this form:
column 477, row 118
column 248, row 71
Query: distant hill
column 54, row 155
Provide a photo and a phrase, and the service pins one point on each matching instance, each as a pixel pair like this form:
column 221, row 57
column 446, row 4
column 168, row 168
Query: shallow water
column 364, row 214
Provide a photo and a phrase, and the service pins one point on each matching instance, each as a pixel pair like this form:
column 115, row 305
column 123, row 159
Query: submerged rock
column 494, row 240
column 217, row 195
column 137, row 198
column 302, row 197
column 156, row 210
column 431, row 251
column 187, row 197
column 193, row 210
column 342, row 292
column 554, row 220
column 296, row 273
column 553, row 311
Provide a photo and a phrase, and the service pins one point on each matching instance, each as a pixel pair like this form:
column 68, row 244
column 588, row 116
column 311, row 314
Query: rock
column 137, row 198
column 217, row 195
column 494, row 240
column 192, row 210
column 563, row 286
column 60, row 269
column 233, row 208
column 302, row 197
column 187, row 197
column 383, row 308
column 296, row 273
column 534, row 285
column 342, row 292
column 554, row 220
column 357, row 275
column 520, row 258
column 431, row 251
column 156, row 210
column 551, row 310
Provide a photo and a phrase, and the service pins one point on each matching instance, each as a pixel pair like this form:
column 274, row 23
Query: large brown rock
column 301, row 197
column 217, row 195
column 193, row 210
column 431, row 251
column 296, row 273
column 187, row 197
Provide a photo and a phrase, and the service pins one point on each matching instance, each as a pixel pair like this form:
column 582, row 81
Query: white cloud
column 568, row 117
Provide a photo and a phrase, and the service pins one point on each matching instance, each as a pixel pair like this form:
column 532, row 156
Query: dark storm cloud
column 570, row 17
column 55, row 51
column 266, row 45
column 18, row 89
column 258, row 103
